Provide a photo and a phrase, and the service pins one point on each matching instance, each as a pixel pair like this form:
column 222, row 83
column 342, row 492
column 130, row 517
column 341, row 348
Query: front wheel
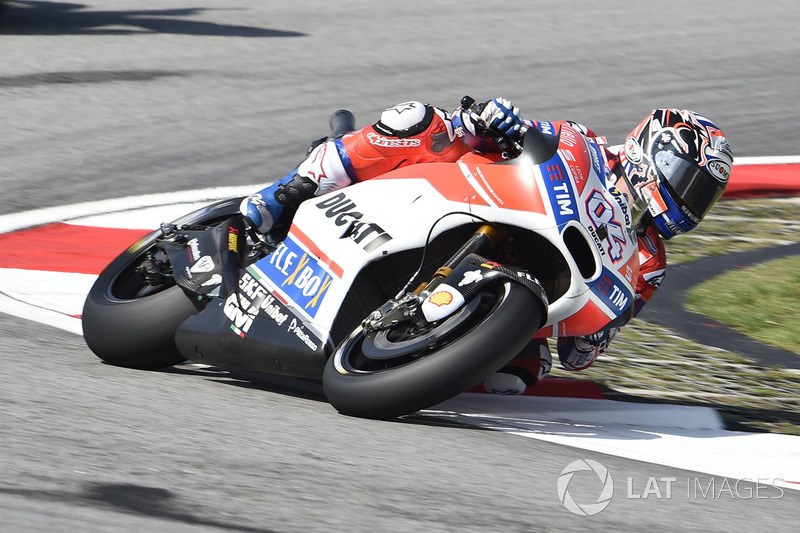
column 398, row 371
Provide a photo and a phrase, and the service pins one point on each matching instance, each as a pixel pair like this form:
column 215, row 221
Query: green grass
column 649, row 361
column 738, row 225
column 646, row 360
column 760, row 301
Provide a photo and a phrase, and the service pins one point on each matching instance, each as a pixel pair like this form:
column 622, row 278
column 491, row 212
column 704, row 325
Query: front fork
column 479, row 243
column 405, row 306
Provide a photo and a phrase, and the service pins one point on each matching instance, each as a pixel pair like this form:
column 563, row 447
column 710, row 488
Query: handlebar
column 342, row 121
column 502, row 140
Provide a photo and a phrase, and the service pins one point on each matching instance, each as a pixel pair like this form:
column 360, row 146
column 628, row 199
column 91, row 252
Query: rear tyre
column 127, row 322
column 397, row 372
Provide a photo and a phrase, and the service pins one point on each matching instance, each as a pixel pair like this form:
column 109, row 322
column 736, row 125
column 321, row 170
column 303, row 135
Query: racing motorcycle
column 399, row 292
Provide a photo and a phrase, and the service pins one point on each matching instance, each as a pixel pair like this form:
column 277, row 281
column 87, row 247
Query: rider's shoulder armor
column 405, row 120
column 406, row 134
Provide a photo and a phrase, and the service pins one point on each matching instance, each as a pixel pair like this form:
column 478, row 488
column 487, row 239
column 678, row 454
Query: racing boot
column 321, row 172
column 523, row 372
column 277, row 201
column 578, row 353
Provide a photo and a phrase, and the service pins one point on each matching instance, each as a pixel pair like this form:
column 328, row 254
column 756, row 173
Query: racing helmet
column 678, row 162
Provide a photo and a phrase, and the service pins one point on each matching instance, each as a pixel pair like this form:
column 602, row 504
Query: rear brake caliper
column 155, row 269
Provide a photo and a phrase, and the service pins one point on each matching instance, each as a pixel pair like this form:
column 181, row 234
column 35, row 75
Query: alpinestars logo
column 380, row 140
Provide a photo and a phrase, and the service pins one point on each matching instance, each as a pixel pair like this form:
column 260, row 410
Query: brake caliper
column 394, row 312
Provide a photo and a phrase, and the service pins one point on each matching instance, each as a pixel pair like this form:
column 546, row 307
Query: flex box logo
column 298, row 275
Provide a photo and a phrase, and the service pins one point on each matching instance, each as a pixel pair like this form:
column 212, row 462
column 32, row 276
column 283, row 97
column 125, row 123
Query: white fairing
column 336, row 235
column 378, row 217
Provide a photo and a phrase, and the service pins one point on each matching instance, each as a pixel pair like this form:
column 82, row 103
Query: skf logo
column 441, row 298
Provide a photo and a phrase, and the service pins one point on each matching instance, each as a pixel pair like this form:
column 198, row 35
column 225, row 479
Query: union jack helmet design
column 679, row 162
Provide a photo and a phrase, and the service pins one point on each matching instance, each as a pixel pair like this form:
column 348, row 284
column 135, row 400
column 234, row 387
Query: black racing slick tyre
column 127, row 322
column 387, row 374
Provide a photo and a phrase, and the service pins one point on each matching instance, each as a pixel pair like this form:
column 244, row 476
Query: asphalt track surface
column 122, row 98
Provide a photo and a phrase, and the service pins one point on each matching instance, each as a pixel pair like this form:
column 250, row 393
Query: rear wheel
column 128, row 321
column 403, row 369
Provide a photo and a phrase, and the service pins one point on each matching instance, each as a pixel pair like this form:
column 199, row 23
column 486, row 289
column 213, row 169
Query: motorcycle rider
column 675, row 163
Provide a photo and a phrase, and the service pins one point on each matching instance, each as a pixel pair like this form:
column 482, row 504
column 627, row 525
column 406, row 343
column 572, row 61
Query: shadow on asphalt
column 127, row 498
column 736, row 418
column 306, row 389
column 28, row 17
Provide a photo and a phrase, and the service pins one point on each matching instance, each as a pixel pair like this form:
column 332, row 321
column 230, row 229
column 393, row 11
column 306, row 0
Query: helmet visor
column 694, row 188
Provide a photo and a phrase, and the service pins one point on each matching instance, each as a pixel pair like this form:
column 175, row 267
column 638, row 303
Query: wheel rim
column 398, row 346
column 128, row 284
column 403, row 341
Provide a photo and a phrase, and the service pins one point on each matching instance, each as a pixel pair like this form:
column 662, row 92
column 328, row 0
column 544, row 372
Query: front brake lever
column 503, row 141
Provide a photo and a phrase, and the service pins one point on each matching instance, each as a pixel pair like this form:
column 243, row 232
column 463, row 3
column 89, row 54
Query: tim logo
column 297, row 273
column 607, row 287
column 562, row 199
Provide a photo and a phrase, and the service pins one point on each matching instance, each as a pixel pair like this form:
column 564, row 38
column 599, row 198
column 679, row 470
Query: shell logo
column 440, row 298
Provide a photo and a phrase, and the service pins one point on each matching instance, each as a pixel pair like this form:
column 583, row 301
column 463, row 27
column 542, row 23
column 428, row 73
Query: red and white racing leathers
column 406, row 134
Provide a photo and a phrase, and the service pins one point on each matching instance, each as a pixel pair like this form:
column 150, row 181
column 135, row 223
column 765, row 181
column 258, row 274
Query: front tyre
column 391, row 373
